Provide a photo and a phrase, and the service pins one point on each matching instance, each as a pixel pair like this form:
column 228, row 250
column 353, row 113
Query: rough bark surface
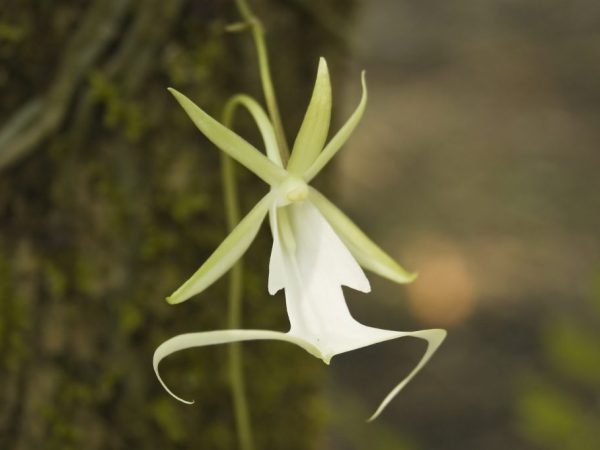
column 109, row 199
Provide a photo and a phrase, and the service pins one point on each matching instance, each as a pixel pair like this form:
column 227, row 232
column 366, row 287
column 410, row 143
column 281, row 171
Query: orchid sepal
column 231, row 143
column 368, row 254
column 227, row 253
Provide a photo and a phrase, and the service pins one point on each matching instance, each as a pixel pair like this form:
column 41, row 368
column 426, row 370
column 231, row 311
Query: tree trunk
column 110, row 199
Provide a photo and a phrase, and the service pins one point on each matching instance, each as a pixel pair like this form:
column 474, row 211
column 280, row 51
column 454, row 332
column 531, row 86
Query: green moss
column 14, row 318
column 56, row 279
column 12, row 32
column 184, row 207
column 574, row 350
column 131, row 318
column 159, row 242
column 167, row 418
column 553, row 419
column 552, row 413
column 120, row 113
column 199, row 61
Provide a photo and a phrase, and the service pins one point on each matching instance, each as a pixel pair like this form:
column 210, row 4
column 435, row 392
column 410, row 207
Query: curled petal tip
column 182, row 400
column 434, row 338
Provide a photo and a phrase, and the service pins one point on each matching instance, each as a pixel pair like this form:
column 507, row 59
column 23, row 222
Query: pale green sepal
column 226, row 254
column 340, row 137
column 231, row 143
column 203, row 339
column 315, row 126
column 368, row 254
column 434, row 339
column 262, row 121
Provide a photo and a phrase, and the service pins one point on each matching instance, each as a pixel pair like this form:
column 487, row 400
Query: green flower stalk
column 316, row 248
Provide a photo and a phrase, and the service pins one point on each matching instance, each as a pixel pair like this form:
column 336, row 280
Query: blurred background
column 476, row 164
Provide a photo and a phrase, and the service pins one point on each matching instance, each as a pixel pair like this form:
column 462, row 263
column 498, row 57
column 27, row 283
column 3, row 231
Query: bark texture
column 110, row 198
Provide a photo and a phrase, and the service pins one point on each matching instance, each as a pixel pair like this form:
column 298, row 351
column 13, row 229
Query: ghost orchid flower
column 316, row 248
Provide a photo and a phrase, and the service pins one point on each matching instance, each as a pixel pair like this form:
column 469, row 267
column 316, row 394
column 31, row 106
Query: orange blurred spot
column 444, row 292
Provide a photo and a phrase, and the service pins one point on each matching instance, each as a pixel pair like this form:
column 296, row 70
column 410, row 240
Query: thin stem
column 232, row 211
column 236, row 375
column 258, row 34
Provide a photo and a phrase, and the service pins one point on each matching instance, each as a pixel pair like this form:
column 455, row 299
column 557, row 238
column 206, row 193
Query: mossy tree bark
column 109, row 199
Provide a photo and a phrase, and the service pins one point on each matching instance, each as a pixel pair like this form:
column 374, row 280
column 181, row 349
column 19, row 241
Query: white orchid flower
column 316, row 248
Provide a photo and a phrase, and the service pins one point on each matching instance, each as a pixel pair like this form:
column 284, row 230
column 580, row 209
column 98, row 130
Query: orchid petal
column 276, row 274
column 203, row 339
column 207, row 338
column 262, row 121
column 340, row 137
column 231, row 143
column 315, row 126
column 368, row 254
column 226, row 254
column 434, row 339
